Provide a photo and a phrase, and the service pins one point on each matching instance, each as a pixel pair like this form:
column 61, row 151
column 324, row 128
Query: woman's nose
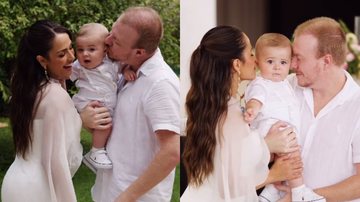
column 71, row 55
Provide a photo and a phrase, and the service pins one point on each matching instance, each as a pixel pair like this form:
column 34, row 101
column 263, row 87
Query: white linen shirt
column 331, row 140
column 150, row 103
column 278, row 103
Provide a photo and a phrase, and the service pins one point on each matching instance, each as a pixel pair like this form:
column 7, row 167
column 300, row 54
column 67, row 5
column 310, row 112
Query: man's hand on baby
column 95, row 116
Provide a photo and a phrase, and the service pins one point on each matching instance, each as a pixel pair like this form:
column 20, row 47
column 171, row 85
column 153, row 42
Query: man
column 144, row 145
column 330, row 112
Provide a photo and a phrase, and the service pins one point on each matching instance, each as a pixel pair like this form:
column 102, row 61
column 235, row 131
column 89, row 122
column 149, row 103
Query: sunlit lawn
column 83, row 179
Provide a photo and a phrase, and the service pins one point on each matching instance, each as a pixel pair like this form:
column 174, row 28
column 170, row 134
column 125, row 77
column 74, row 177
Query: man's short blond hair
column 330, row 37
column 148, row 24
column 94, row 29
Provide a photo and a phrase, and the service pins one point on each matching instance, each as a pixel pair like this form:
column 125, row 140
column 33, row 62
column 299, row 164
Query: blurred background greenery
column 17, row 15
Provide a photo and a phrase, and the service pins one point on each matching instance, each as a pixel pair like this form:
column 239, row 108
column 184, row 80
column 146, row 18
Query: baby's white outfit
column 278, row 103
column 98, row 84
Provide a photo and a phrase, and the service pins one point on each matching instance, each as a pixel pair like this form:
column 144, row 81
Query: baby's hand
column 249, row 115
column 129, row 74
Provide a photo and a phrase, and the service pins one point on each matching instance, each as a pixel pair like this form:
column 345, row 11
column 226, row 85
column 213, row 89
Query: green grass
column 83, row 179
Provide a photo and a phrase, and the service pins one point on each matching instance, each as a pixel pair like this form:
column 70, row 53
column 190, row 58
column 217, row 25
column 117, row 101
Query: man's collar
column 147, row 67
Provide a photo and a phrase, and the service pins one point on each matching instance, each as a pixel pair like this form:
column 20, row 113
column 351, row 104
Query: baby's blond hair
column 271, row 40
column 93, row 29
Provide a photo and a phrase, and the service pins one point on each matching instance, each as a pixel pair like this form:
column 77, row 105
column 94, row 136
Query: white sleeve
column 244, row 157
column 256, row 90
column 62, row 150
column 162, row 106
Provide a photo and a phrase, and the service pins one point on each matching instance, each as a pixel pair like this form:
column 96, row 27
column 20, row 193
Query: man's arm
column 345, row 190
column 163, row 163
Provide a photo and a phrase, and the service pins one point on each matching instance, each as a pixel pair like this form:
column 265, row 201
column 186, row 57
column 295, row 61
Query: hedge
column 16, row 16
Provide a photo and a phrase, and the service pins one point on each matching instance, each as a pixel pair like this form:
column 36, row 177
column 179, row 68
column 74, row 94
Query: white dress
column 55, row 155
column 240, row 164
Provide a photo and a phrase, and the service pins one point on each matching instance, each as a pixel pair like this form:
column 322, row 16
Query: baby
column 96, row 78
column 270, row 98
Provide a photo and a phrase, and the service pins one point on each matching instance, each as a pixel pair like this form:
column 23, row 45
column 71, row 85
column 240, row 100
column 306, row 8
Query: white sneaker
column 97, row 160
column 88, row 164
column 305, row 194
column 269, row 194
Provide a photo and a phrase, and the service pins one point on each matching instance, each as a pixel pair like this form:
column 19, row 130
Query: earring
column 238, row 94
column 46, row 74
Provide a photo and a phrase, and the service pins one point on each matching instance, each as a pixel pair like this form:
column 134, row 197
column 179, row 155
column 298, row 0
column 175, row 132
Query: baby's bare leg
column 100, row 138
column 298, row 181
column 299, row 191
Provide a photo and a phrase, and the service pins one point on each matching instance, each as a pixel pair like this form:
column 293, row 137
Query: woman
column 45, row 124
column 224, row 160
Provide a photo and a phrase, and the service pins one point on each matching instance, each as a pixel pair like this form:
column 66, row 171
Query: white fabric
column 148, row 104
column 331, row 140
column 240, row 163
column 56, row 153
column 278, row 103
column 98, row 84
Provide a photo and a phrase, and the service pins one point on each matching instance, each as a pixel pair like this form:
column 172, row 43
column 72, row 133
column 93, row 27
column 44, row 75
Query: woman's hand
column 286, row 168
column 281, row 138
column 95, row 116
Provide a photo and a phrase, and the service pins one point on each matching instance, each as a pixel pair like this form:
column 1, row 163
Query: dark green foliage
column 17, row 15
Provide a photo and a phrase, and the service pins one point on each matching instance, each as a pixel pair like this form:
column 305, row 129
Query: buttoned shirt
column 148, row 104
column 331, row 140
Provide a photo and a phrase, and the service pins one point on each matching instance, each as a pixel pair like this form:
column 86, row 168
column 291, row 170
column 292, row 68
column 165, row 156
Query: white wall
column 196, row 18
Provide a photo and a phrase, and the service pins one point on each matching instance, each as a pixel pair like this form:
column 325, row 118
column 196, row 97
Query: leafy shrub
column 17, row 15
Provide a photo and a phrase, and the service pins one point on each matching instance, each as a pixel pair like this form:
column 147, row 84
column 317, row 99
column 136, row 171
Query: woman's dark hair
column 28, row 79
column 207, row 99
